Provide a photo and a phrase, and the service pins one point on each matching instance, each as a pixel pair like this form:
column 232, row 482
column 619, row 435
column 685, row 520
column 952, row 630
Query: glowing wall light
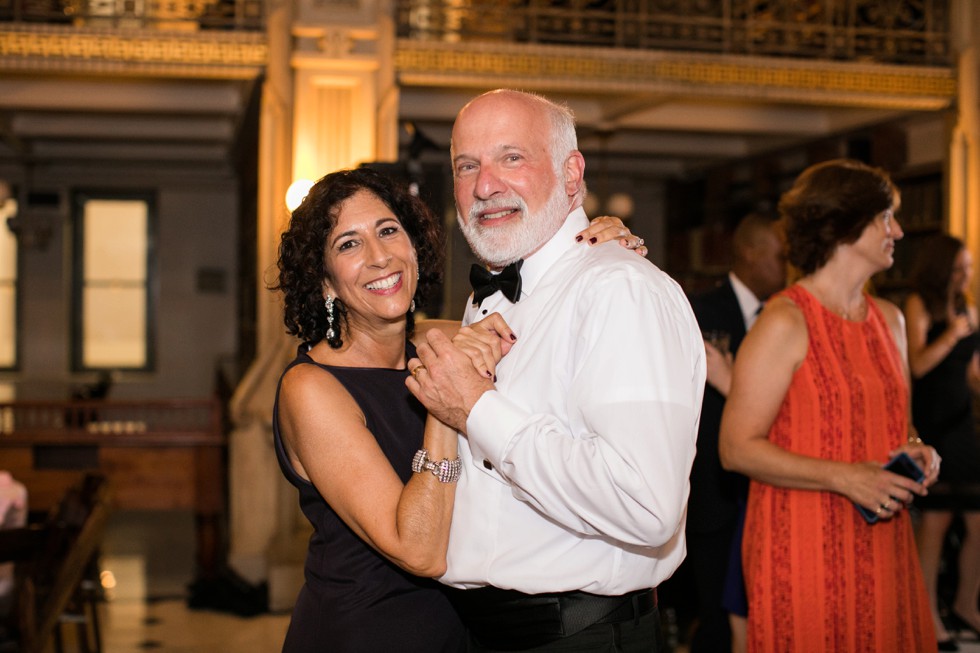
column 296, row 192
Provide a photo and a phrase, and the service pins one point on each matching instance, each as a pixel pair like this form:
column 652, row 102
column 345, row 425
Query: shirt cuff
column 492, row 424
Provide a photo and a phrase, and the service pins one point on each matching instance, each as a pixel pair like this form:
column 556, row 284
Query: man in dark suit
column 758, row 270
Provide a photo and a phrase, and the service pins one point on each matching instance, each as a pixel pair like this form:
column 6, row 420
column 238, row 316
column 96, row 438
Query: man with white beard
column 571, row 505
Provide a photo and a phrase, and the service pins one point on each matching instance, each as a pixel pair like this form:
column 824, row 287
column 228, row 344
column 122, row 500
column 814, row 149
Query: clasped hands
column 449, row 376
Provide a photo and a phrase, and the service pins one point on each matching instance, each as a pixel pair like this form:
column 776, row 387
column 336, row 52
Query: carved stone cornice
column 594, row 70
column 149, row 53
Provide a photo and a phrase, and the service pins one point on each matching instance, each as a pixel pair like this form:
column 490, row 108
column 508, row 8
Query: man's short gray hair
column 564, row 140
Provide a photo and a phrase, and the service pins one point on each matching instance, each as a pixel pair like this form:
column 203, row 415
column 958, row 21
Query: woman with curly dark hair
column 818, row 404
column 941, row 319
column 359, row 255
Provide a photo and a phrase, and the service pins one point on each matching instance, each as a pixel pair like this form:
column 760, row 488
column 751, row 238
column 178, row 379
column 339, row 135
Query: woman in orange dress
column 819, row 403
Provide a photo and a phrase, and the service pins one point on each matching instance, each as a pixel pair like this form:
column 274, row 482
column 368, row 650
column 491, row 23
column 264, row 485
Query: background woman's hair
column 303, row 243
column 830, row 204
column 932, row 271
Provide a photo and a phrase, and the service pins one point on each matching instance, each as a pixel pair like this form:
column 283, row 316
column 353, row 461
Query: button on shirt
column 576, row 466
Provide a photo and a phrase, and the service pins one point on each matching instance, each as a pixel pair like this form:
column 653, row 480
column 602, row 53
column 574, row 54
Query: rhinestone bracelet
column 447, row 471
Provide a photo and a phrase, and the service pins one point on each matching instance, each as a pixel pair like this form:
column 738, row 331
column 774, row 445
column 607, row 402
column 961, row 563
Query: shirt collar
column 539, row 262
column 747, row 301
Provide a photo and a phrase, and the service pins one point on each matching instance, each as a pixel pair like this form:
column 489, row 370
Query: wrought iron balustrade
column 898, row 32
column 179, row 15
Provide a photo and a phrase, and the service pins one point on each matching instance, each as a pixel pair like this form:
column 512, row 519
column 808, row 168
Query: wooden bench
column 155, row 455
column 54, row 564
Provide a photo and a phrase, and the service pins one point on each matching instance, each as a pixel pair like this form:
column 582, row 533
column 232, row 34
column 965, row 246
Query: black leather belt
column 510, row 620
column 639, row 603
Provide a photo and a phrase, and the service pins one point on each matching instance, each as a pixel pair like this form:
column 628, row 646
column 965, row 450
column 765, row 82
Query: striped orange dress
column 818, row 577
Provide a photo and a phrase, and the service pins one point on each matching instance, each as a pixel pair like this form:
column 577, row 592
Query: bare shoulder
column 782, row 316
column 309, row 392
column 779, row 333
column 913, row 302
column 893, row 316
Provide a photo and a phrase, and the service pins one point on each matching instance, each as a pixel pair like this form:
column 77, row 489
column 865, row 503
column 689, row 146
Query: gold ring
column 878, row 511
column 885, row 505
column 416, row 370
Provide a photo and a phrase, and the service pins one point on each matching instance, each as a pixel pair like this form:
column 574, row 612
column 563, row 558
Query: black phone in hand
column 902, row 465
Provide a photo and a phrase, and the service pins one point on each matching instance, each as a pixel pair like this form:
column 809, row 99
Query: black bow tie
column 485, row 284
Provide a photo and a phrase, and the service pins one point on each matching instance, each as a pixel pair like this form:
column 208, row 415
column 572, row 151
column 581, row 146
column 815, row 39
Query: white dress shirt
column 576, row 467
column 747, row 301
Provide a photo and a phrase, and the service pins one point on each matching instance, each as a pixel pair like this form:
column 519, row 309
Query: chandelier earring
column 411, row 308
column 328, row 304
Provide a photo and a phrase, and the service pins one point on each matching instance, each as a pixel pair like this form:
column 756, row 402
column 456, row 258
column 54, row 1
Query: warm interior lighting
column 620, row 204
column 108, row 579
column 296, row 192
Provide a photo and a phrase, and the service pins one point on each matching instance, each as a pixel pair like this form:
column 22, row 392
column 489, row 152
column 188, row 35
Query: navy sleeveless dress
column 353, row 598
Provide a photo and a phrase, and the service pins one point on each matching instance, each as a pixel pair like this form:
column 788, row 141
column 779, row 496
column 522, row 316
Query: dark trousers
column 642, row 635
column 708, row 555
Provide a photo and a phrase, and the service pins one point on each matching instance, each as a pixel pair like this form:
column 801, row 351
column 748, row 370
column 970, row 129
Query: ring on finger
column 880, row 508
column 416, row 370
column 886, row 505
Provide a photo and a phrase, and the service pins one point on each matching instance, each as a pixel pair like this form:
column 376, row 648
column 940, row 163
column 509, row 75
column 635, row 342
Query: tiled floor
column 148, row 563
column 133, row 626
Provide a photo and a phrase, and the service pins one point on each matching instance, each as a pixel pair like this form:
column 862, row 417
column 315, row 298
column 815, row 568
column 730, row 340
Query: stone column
column 964, row 160
column 255, row 482
column 329, row 102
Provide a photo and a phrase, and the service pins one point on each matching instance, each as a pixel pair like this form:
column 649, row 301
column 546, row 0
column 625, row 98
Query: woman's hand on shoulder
column 606, row 228
column 485, row 343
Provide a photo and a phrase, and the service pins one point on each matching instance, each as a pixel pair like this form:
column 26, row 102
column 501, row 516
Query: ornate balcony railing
column 171, row 15
column 897, row 32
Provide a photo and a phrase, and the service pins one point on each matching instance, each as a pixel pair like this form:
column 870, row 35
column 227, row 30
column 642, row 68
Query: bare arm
column 923, row 358
column 762, row 376
column 924, row 455
column 328, row 444
column 605, row 228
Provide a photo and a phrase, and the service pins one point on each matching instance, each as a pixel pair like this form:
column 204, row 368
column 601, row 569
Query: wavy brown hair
column 932, row 272
column 302, row 248
column 830, row 204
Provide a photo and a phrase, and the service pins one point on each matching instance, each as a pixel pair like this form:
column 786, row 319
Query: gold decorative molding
column 150, row 53
column 607, row 69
